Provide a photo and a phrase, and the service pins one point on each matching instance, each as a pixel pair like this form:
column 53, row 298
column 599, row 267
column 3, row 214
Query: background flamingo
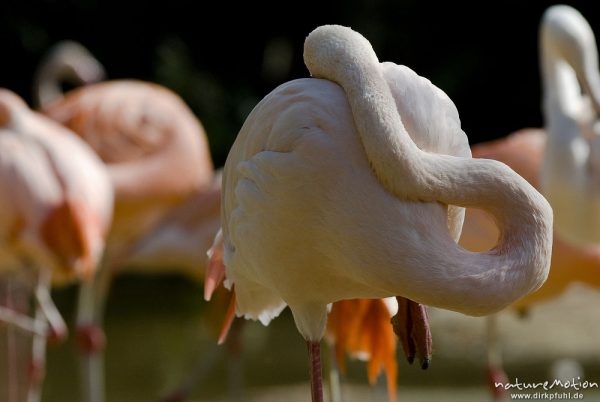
column 571, row 104
column 289, row 193
column 560, row 161
column 56, row 203
column 66, row 63
column 156, row 153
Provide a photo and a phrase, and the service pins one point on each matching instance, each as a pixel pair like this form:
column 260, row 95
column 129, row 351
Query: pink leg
column 316, row 378
column 411, row 325
column 495, row 372
column 90, row 335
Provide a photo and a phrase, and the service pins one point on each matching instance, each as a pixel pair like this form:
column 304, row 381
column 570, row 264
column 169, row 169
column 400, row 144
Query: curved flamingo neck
column 67, row 62
column 347, row 58
column 523, row 215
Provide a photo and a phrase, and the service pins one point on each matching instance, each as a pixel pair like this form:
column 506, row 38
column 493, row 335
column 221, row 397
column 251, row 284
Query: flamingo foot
column 316, row 377
column 496, row 376
column 411, row 325
column 91, row 338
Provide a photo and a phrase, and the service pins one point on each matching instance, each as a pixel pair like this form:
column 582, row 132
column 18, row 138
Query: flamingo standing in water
column 344, row 187
column 561, row 161
column 156, row 153
column 56, row 204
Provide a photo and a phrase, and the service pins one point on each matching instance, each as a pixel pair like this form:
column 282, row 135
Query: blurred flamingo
column 56, row 208
column 156, row 153
column 326, row 196
column 570, row 174
column 561, row 161
column 67, row 62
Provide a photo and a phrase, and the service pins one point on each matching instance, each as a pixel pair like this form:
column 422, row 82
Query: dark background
column 222, row 58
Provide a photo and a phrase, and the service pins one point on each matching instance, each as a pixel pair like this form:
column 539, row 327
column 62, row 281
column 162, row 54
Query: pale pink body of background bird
column 157, row 155
column 56, row 203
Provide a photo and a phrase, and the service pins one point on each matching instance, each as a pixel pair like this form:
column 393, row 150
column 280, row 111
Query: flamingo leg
column 411, row 325
column 22, row 322
column 12, row 384
column 316, row 376
column 46, row 312
column 57, row 326
column 24, row 364
column 495, row 372
column 90, row 335
column 37, row 362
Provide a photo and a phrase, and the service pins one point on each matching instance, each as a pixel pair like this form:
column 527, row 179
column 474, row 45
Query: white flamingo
column 570, row 175
column 344, row 187
column 562, row 161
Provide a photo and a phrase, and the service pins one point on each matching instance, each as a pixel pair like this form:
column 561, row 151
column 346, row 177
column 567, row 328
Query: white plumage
column 570, row 175
column 336, row 188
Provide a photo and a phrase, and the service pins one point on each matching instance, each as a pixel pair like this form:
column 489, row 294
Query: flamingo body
column 58, row 207
column 138, row 128
column 155, row 150
column 312, row 213
column 301, row 145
